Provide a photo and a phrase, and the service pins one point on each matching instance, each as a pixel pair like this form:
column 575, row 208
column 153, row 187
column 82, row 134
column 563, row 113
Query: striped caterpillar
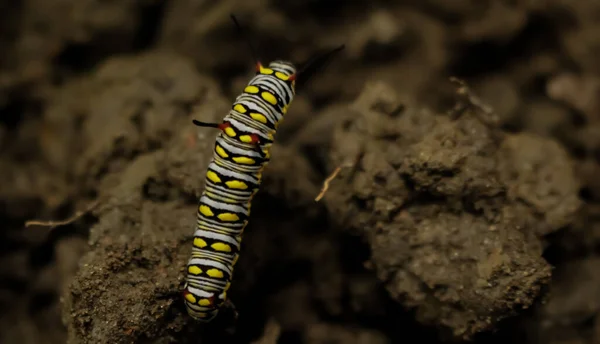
column 240, row 154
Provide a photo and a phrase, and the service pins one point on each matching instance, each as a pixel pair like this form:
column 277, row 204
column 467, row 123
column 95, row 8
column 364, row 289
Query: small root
column 73, row 218
column 332, row 177
column 463, row 90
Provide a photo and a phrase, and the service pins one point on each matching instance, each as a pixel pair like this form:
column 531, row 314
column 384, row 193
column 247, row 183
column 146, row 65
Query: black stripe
column 270, row 85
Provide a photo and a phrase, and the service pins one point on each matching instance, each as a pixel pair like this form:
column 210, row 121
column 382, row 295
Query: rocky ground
column 459, row 213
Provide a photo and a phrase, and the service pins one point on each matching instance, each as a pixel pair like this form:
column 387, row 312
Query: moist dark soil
column 460, row 213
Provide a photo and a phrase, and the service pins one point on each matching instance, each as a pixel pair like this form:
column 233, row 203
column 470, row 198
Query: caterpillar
column 241, row 151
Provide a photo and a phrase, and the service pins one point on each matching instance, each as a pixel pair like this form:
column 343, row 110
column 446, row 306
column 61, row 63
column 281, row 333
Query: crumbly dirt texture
column 459, row 213
column 452, row 209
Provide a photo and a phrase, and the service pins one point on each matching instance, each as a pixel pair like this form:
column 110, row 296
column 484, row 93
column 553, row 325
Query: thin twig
column 465, row 90
column 330, row 178
column 67, row 221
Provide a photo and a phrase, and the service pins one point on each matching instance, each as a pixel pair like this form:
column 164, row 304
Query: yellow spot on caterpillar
column 251, row 89
column 221, row 152
column 281, row 76
column 227, row 286
column 258, row 117
column 246, row 138
column 194, row 270
column 240, row 108
column 213, row 177
column 236, row 184
column 235, row 259
column 244, row 160
column 267, row 153
column 219, row 246
column 267, row 71
column 215, row 273
column 190, row 298
column 204, row 210
column 229, row 131
column 269, row 97
column 270, row 136
column 199, row 242
column 229, row 217
column 285, row 109
column 204, row 302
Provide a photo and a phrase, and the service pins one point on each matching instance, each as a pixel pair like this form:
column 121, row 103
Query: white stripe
column 273, row 89
column 201, row 223
column 239, row 168
column 273, row 109
column 283, row 66
column 259, row 105
column 245, row 128
column 199, row 292
column 249, row 121
column 223, row 206
column 270, row 81
column 231, row 226
column 236, row 150
column 201, row 309
column 224, row 191
column 211, row 311
column 232, row 174
column 242, row 145
column 215, row 236
column 278, row 85
column 221, row 257
column 205, row 281
column 208, row 262
column 229, row 196
column 255, row 104
column 201, row 282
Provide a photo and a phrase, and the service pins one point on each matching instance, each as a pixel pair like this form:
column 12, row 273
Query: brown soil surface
column 458, row 215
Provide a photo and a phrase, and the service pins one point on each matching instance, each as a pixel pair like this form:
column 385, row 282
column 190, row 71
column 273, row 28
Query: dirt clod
column 453, row 217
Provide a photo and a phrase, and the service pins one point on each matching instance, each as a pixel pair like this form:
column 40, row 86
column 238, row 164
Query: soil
column 461, row 212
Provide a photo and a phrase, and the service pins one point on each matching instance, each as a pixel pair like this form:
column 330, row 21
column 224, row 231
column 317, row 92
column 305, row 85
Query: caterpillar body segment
column 232, row 179
column 241, row 152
